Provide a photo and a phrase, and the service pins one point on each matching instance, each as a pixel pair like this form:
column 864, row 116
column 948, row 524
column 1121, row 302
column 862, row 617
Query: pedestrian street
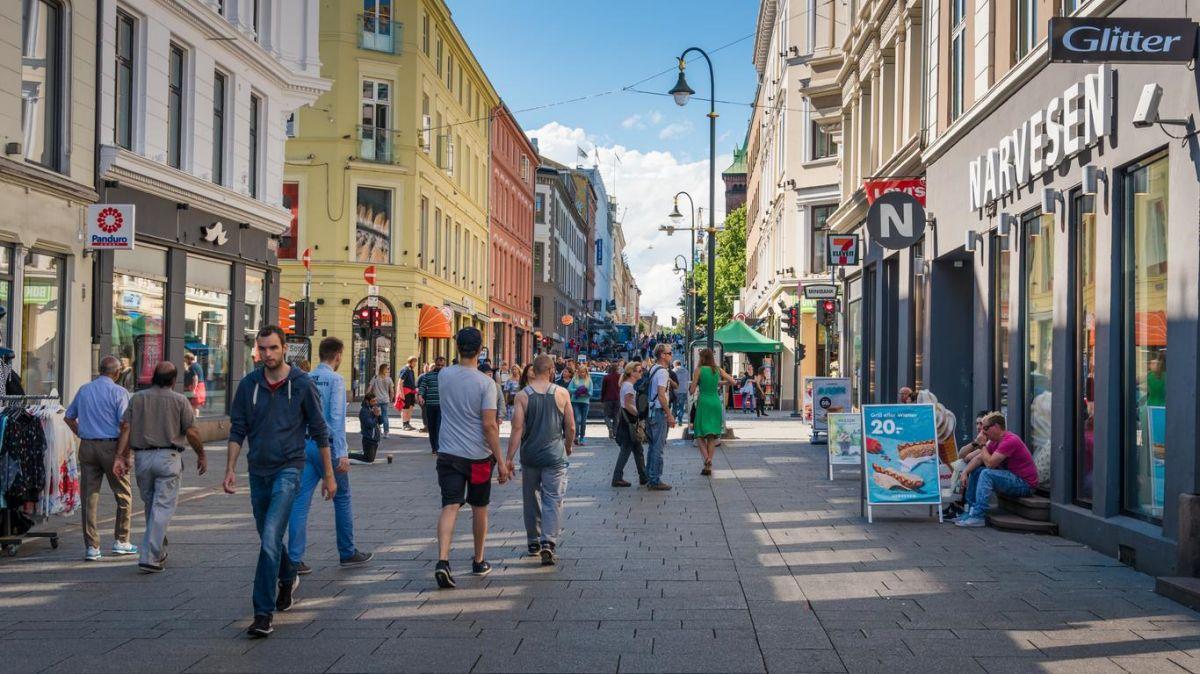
column 765, row 566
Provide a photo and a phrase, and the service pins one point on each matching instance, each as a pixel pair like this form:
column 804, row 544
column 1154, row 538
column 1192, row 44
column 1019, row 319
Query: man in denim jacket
column 332, row 390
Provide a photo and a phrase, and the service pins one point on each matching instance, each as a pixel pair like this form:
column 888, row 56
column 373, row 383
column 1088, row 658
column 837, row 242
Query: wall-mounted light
column 1092, row 177
column 1007, row 220
column 1141, row 182
column 974, row 238
column 1033, row 226
column 1050, row 199
column 919, row 266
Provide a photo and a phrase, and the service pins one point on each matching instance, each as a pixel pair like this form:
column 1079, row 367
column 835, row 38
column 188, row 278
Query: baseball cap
column 469, row 340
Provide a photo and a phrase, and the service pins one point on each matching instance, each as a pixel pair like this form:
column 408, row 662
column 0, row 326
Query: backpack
column 642, row 388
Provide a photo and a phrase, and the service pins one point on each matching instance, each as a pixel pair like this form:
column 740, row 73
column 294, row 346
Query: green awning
column 737, row 337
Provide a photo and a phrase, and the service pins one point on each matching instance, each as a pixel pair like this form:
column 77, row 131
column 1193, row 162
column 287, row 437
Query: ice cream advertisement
column 845, row 439
column 901, row 454
column 830, row 395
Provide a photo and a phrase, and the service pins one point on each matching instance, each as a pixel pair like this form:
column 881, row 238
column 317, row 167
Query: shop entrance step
column 1183, row 589
column 1009, row 522
column 1029, row 507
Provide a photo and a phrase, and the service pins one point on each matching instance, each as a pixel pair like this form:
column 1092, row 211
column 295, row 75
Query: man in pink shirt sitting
column 1003, row 464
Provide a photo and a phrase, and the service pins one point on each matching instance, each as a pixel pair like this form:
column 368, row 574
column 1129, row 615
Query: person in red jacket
column 610, row 394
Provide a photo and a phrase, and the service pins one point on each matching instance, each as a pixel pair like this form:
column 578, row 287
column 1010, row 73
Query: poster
column 1156, row 417
column 845, row 440
column 827, row 395
column 900, row 448
column 373, row 225
column 808, row 411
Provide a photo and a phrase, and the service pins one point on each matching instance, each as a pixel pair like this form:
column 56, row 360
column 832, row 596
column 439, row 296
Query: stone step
column 1183, row 589
column 1029, row 507
column 1009, row 522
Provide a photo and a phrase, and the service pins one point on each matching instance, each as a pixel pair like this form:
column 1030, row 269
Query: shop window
column 1038, row 297
column 919, row 311
column 206, row 335
column 254, row 315
column 139, row 313
column 42, row 84
column 42, row 324
column 6, row 294
column 1084, row 228
column 372, row 344
column 1145, row 338
column 373, row 227
column 1001, row 320
column 854, row 360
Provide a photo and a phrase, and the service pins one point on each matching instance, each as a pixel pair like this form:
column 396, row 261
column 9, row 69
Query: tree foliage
column 730, row 275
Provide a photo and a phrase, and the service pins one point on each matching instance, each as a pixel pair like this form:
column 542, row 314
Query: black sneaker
column 547, row 552
column 441, row 574
column 150, row 568
column 481, row 568
column 261, row 627
column 357, row 559
column 303, row 569
column 535, row 549
column 286, row 597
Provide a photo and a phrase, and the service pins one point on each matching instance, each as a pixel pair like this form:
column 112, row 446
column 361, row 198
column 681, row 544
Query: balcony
column 376, row 144
column 377, row 32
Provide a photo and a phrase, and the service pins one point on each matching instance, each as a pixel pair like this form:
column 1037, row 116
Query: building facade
column 47, row 177
column 795, row 174
column 734, row 177
column 626, row 294
column 389, row 170
column 560, row 247
column 193, row 106
column 511, row 210
column 602, row 248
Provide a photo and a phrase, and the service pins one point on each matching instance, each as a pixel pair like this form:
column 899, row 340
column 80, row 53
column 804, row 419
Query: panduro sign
column 900, row 464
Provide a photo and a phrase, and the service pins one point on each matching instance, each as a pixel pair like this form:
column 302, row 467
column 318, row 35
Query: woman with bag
column 710, row 413
column 381, row 385
column 629, row 430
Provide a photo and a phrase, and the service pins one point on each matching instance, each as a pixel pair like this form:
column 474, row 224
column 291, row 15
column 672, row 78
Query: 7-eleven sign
column 843, row 250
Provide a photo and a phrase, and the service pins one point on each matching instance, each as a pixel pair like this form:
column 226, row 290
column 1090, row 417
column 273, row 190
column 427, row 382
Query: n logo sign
column 896, row 220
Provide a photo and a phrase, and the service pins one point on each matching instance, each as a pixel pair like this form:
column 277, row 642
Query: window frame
column 55, row 137
column 127, row 64
column 1025, row 25
column 61, row 334
column 220, row 124
column 958, row 58
column 176, row 104
column 819, row 258
column 254, row 127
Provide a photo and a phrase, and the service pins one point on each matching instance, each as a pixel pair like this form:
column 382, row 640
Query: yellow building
column 390, row 169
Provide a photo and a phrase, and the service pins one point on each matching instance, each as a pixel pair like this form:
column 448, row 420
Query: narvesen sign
column 1068, row 124
column 896, row 220
column 1095, row 40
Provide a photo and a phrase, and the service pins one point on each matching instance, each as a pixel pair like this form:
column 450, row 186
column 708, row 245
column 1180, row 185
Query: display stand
column 899, row 458
column 9, row 541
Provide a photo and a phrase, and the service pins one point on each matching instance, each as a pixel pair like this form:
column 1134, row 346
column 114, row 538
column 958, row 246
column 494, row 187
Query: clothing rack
column 9, row 541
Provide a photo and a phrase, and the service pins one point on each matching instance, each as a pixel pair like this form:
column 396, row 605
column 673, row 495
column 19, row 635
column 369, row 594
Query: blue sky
column 538, row 52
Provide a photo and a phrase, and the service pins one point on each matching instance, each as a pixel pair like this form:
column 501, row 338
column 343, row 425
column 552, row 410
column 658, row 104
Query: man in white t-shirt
column 468, row 450
column 661, row 418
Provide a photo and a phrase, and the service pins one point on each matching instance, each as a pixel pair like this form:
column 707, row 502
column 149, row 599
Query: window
column 254, row 315
column 958, row 56
column 423, row 253
column 289, row 245
column 439, row 56
column 42, row 84
column 820, row 233
column 447, row 257
column 376, row 30
column 823, row 145
column 1038, row 298
column 437, row 239
column 206, row 335
column 42, row 323
column 375, row 140
column 373, row 226
column 255, row 149
column 218, row 123
column 255, row 18
column 450, row 72
column 1025, row 25
column 6, row 296
column 1145, row 338
column 175, row 107
column 1084, row 234
column 289, row 125
column 539, row 208
column 123, row 129
column 537, row 310
column 425, row 34
column 139, row 304
column 1001, row 318
column 1071, row 6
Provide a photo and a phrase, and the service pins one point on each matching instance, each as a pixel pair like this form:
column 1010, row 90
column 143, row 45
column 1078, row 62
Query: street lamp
column 682, row 92
column 690, row 290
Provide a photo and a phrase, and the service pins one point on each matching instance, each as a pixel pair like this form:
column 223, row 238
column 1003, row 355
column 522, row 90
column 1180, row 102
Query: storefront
column 195, row 290
column 1078, row 261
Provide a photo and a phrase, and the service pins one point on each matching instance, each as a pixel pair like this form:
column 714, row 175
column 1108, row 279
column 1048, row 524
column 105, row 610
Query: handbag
column 199, row 393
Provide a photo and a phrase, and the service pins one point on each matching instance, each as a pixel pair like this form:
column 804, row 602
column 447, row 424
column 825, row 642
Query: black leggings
column 369, row 448
column 629, row 445
column 432, row 416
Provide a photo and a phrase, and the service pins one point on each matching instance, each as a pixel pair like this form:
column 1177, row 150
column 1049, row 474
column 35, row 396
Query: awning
column 1150, row 328
column 433, row 324
column 737, row 337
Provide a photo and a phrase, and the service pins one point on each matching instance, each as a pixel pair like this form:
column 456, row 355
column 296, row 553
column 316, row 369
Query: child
column 369, row 416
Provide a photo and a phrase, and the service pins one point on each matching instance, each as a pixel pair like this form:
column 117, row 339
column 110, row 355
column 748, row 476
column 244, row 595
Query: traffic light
column 785, row 323
column 304, row 315
column 827, row 312
column 369, row 317
column 803, row 351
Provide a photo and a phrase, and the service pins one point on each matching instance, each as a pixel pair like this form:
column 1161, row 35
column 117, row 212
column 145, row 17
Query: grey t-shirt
column 158, row 418
column 685, row 379
column 464, row 393
column 660, row 380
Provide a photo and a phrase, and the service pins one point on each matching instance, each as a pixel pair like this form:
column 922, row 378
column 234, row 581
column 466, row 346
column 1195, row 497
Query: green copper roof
column 739, row 162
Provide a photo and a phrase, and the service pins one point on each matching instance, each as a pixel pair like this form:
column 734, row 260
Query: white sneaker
column 92, row 555
column 120, row 548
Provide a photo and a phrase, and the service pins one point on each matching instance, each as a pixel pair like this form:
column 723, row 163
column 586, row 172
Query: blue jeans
column 656, row 428
column 271, row 498
column 984, row 481
column 343, row 516
column 581, row 412
column 383, row 410
column 680, row 406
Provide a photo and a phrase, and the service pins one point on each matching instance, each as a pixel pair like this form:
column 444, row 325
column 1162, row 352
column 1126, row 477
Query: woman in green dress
column 710, row 411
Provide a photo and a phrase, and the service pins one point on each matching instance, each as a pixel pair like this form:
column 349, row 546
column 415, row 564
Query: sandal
column 707, row 470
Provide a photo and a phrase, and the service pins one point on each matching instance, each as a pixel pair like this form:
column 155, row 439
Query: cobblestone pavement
column 766, row 566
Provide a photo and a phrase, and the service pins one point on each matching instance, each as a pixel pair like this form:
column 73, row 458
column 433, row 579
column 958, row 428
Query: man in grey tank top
column 543, row 427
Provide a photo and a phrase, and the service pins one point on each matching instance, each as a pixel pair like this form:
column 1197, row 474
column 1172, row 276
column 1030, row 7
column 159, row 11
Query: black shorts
column 465, row 481
column 410, row 399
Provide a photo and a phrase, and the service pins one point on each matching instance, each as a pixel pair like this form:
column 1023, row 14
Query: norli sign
column 1117, row 40
column 1068, row 124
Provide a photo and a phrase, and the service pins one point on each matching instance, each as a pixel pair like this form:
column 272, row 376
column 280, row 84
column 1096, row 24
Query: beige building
column 625, row 290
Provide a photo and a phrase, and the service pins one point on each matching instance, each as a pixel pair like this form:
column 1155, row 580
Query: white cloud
column 675, row 130
column 655, row 117
column 643, row 184
column 633, row 122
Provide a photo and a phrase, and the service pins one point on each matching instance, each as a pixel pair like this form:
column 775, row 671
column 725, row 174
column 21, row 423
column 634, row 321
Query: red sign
column 369, row 275
column 914, row 187
column 843, row 249
column 306, row 258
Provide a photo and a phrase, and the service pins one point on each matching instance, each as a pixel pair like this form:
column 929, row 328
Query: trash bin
column 737, row 401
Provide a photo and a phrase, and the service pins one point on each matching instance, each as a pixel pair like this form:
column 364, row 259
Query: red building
column 510, row 300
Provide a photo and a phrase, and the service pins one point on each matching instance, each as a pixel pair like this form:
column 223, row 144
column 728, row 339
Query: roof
column 737, row 337
column 738, row 167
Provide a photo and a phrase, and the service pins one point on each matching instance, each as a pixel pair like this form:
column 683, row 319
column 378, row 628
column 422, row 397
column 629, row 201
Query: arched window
column 373, row 344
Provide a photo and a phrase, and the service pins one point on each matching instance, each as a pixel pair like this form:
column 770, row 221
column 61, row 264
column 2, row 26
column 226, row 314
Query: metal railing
column 378, row 32
column 377, row 144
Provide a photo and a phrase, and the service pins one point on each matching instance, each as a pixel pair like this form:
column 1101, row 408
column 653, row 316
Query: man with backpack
column 654, row 398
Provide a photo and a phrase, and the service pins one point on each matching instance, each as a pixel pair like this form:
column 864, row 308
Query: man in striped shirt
column 427, row 398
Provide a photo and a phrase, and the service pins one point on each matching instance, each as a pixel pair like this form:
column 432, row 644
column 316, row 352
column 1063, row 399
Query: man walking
column 95, row 416
column 332, row 390
column 542, row 427
column 431, row 406
column 660, row 416
column 408, row 390
column 158, row 422
column 276, row 407
column 469, row 448
column 610, row 394
column 684, row 379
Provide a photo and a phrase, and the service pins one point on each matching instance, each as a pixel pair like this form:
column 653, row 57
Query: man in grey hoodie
column 276, row 407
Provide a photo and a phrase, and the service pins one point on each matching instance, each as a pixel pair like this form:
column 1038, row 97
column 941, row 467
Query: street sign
column 843, row 250
column 820, row 291
column 372, row 296
column 306, row 258
column 1121, row 40
column 896, row 220
column 740, row 316
column 110, row 227
column 369, row 275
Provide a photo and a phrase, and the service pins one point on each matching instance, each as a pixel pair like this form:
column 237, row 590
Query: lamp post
column 690, row 289
column 682, row 92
